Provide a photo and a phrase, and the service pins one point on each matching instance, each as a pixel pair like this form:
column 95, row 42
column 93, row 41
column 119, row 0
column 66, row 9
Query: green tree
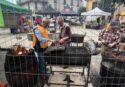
column 109, row 5
column 81, row 9
column 105, row 5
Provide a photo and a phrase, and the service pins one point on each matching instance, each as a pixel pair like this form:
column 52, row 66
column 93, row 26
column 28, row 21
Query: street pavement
column 7, row 40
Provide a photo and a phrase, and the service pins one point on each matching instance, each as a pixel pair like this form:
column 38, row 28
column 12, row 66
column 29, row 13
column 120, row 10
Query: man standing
column 30, row 24
column 117, row 19
column 65, row 31
column 122, row 30
column 40, row 43
column 110, row 37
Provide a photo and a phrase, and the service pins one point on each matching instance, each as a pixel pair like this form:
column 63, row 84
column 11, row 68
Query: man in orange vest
column 40, row 43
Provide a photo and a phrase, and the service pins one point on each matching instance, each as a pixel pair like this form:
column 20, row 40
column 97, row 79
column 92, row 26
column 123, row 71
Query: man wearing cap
column 110, row 37
column 122, row 30
column 117, row 19
column 65, row 31
column 40, row 43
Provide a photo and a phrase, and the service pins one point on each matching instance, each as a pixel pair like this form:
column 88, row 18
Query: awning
column 48, row 12
column 10, row 7
column 67, row 11
column 96, row 12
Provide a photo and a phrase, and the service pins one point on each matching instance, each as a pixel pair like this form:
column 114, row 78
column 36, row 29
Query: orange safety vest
column 44, row 34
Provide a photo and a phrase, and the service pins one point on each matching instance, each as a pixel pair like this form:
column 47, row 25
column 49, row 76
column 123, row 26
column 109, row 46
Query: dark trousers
column 41, row 65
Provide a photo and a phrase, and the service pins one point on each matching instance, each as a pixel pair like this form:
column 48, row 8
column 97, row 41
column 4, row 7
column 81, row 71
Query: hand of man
column 51, row 40
column 61, row 41
column 103, row 41
column 111, row 45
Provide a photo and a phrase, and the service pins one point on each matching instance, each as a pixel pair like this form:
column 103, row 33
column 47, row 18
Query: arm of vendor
column 40, row 38
column 116, row 40
column 109, row 38
column 66, row 35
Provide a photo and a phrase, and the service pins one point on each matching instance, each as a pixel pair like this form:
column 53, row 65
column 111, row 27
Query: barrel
column 77, row 55
column 77, row 38
column 68, row 56
column 21, row 70
column 112, row 72
column 54, row 54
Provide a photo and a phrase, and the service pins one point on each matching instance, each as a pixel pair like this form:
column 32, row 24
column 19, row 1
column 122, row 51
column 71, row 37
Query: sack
column 92, row 47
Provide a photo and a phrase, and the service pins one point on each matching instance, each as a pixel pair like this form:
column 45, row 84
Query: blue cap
column 115, row 24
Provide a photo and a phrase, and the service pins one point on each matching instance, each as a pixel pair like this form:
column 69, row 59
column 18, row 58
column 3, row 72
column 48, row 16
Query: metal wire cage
column 69, row 65
column 22, row 70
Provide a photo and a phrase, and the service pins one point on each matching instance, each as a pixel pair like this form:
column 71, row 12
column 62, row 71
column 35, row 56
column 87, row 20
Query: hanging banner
column 1, row 18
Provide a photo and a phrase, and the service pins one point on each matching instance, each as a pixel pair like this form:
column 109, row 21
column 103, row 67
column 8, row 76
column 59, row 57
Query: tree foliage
column 108, row 5
column 105, row 5
column 81, row 9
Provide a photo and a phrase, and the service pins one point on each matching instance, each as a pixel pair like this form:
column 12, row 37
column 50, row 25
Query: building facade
column 60, row 4
column 36, row 5
column 33, row 5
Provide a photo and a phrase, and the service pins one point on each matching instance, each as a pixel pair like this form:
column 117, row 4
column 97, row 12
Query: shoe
column 65, row 67
column 42, row 81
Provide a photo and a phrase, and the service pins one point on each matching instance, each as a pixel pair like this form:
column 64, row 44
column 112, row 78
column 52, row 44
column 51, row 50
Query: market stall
column 99, row 16
column 96, row 12
column 67, row 11
column 9, row 13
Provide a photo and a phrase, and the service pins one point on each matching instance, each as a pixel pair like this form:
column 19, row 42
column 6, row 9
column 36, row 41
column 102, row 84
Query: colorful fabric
column 122, row 30
column 44, row 34
column 110, row 36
